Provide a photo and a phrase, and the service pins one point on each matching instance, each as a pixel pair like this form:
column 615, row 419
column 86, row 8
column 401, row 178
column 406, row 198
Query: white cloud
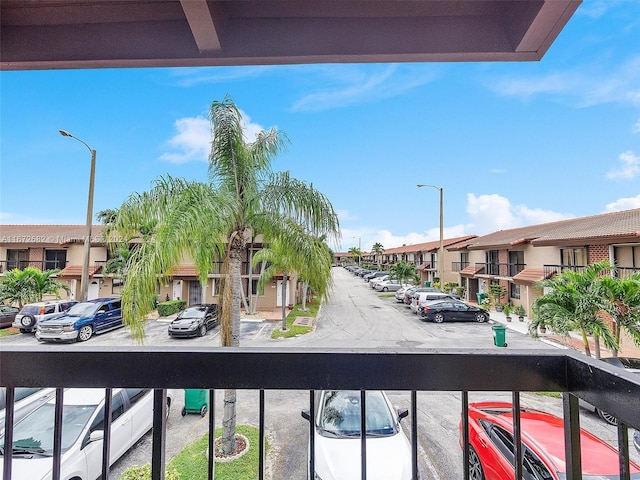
column 636, row 127
column 624, row 204
column 347, row 85
column 490, row 213
column 188, row 77
column 193, row 138
column 587, row 85
column 345, row 215
column 629, row 169
column 191, row 142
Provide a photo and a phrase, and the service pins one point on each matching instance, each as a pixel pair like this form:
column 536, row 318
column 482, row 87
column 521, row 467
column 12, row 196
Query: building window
column 17, row 259
column 492, row 262
column 514, row 290
column 516, row 262
column 464, row 260
column 215, row 286
column 573, row 257
column 116, row 285
column 254, row 287
column 55, row 259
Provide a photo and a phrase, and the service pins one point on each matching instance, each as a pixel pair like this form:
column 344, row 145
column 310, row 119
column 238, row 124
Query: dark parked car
column 194, row 321
column 453, row 311
column 81, row 321
column 7, row 315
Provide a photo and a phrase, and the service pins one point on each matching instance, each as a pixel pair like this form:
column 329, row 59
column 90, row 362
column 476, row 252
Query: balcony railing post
column 106, row 439
column 57, row 434
column 414, row 433
column 261, row 438
column 623, row 451
column 572, row 436
column 517, row 439
column 363, row 435
column 211, row 469
column 465, row 434
column 159, row 434
column 10, row 396
column 312, row 431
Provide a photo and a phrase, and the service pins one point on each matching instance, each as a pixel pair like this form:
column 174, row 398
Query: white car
column 421, row 299
column 26, row 399
column 82, row 433
column 373, row 281
column 389, row 286
column 337, row 437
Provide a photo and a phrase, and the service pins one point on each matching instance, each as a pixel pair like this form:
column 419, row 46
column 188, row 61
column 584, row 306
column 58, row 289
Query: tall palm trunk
column 305, row 289
column 285, row 280
column 230, row 337
column 585, row 342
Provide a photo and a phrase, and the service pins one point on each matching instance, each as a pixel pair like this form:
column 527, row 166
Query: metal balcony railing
column 458, row 266
column 412, row 370
column 502, row 269
column 7, row 265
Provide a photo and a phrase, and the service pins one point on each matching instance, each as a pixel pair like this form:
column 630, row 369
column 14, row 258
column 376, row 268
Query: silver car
column 31, row 314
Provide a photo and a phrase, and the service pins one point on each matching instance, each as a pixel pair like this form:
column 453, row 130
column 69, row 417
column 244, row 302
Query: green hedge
column 172, row 306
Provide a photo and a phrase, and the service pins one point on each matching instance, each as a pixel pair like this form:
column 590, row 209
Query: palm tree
column 305, row 255
column 624, row 297
column 404, row 272
column 217, row 219
column 378, row 249
column 574, row 303
column 356, row 253
column 29, row 285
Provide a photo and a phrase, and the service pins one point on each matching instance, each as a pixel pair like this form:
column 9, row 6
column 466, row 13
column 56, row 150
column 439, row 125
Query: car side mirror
column 305, row 414
column 96, row 435
column 402, row 413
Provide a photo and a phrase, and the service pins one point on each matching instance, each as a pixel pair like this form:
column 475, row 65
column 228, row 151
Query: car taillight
column 425, row 308
column 41, row 310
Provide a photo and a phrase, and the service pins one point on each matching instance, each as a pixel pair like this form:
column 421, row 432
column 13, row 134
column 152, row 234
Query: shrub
column 172, row 306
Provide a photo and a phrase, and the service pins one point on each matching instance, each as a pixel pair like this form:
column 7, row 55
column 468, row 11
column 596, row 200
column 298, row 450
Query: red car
column 491, row 450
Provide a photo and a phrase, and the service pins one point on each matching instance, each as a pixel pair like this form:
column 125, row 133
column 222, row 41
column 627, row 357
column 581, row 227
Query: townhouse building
column 61, row 247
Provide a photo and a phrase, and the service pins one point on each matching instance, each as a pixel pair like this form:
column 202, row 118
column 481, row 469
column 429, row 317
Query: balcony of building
column 411, row 370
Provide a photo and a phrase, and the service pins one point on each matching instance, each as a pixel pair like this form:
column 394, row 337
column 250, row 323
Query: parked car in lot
column 26, row 399
column 630, row 365
column 400, row 293
column 82, row 432
column 390, row 285
column 337, row 437
column 7, row 315
column 491, row 446
column 375, row 274
column 373, row 281
column 408, row 294
column 31, row 314
column 194, row 321
column 81, row 321
column 420, row 299
column 453, row 311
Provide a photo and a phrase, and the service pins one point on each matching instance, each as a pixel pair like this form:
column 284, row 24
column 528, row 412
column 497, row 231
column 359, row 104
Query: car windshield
column 83, row 309
column 340, row 414
column 193, row 312
column 34, row 434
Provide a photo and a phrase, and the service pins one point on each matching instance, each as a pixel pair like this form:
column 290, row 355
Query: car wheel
column 168, row 407
column 203, row 411
column 203, row 330
column 28, row 321
column 481, row 317
column 183, row 412
column 475, row 467
column 607, row 417
column 385, row 289
column 85, row 333
column 438, row 318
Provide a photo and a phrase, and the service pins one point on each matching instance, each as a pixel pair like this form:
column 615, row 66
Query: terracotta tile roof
column 48, row 234
column 76, row 270
column 530, row 275
column 471, row 270
column 608, row 227
column 428, row 246
column 184, row 271
column 424, row 266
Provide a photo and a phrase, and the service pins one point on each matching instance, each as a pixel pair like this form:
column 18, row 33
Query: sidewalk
column 573, row 341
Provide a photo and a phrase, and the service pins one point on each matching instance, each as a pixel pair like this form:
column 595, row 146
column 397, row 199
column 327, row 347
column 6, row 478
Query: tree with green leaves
column 378, row 249
column 29, row 285
column 404, row 272
column 356, row 253
column 624, row 296
column 303, row 255
column 218, row 219
column 573, row 304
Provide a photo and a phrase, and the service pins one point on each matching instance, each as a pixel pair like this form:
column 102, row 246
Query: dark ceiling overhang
column 66, row 34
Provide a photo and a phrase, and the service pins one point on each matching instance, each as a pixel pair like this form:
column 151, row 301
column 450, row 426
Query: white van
column 421, row 298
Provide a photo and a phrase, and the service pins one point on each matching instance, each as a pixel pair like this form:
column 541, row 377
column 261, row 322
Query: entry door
column 195, row 292
column 94, row 290
column 177, row 289
column 279, row 298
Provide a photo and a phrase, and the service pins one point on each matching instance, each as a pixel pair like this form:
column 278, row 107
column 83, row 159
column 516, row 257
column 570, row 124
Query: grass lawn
column 293, row 331
column 7, row 332
column 192, row 463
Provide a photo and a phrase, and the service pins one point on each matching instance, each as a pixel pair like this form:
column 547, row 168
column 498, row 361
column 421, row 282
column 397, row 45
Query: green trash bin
column 196, row 401
column 481, row 296
column 427, row 284
column 499, row 335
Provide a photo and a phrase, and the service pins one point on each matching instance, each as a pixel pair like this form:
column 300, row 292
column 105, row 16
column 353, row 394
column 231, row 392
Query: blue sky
column 511, row 144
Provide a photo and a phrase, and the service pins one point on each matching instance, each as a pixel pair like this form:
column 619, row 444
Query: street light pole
column 441, row 249
column 84, row 279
